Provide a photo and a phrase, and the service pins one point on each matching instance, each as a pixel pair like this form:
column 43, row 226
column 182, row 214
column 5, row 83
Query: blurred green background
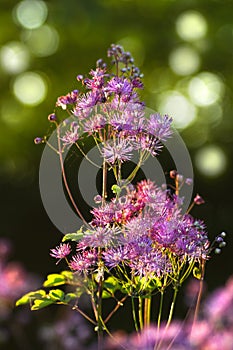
column 185, row 50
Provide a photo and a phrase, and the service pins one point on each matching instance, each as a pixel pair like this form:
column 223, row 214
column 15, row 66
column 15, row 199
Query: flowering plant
column 138, row 243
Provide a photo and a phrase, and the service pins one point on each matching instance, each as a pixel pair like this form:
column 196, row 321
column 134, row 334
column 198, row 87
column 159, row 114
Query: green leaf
column 56, row 294
column 69, row 297
column 41, row 303
column 75, row 237
column 197, row 273
column 111, row 284
column 126, row 288
column 156, row 283
column 106, row 294
column 68, row 275
column 54, row 279
column 116, row 189
column 27, row 298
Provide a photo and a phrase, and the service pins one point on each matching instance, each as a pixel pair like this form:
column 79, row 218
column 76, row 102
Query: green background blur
column 185, row 50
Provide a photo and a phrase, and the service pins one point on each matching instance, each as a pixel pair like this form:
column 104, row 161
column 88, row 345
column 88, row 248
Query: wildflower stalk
column 147, row 311
column 135, row 170
column 140, row 312
column 104, row 182
column 65, row 179
column 99, row 302
column 160, row 309
column 172, row 306
column 119, row 303
column 134, row 315
column 139, row 242
column 101, row 276
column 188, row 271
column 99, row 314
column 162, row 289
column 197, row 307
column 85, row 156
column 158, row 344
column 76, row 308
column 93, row 304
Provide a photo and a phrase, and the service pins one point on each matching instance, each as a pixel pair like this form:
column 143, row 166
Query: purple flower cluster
column 143, row 230
column 110, row 110
column 152, row 229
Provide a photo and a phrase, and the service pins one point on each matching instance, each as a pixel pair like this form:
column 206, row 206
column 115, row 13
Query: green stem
column 147, row 311
column 94, row 306
column 158, row 345
column 199, row 295
column 159, row 318
column 104, row 179
column 172, row 307
column 134, row 315
column 134, row 172
column 104, row 182
column 140, row 312
column 85, row 156
column 188, row 271
column 50, row 146
column 160, row 310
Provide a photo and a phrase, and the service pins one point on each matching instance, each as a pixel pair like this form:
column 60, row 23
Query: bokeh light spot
column 184, row 60
column 212, row 115
column 14, row 57
column 42, row 41
column 205, row 89
column 179, row 108
column 31, row 14
column 11, row 114
column 30, row 88
column 191, row 25
column 211, row 161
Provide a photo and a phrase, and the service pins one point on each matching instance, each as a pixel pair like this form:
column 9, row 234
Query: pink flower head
column 119, row 150
column 61, row 251
column 71, row 136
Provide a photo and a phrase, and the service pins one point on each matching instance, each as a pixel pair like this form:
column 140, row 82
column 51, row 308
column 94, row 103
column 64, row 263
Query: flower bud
column 98, row 199
column 223, row 234
column 173, row 174
column 179, row 178
column 189, row 181
column 79, row 77
column 198, row 200
column 52, row 117
column 222, row 244
column 38, row 140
